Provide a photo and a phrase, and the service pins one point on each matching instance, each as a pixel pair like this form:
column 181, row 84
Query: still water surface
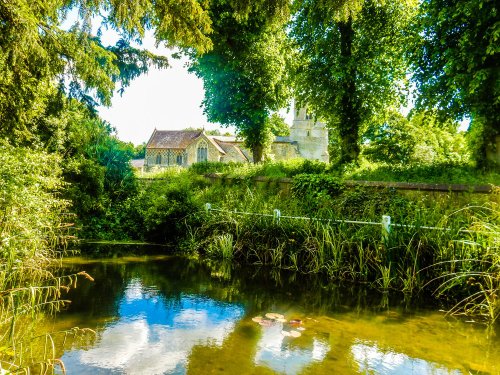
column 172, row 315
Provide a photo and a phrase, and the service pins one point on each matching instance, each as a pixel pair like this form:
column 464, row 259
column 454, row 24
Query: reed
column 476, row 270
column 384, row 282
column 222, row 247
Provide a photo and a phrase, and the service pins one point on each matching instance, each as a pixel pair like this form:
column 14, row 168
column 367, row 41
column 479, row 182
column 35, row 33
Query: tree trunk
column 258, row 153
column 487, row 154
column 350, row 118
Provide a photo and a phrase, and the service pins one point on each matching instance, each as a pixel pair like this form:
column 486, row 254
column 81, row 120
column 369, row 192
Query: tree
column 245, row 73
column 140, row 151
column 278, row 126
column 36, row 54
column 351, row 66
column 456, row 64
column 423, row 139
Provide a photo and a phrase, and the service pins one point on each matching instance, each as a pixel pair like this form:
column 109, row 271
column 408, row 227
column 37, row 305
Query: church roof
column 216, row 144
column 225, row 138
column 228, row 147
column 176, row 139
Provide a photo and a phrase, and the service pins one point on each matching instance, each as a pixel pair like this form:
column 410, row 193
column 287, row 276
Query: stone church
column 308, row 139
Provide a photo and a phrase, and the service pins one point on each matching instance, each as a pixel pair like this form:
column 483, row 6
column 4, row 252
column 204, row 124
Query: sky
column 167, row 99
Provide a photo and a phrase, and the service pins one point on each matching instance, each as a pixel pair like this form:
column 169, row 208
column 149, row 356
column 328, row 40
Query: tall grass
column 477, row 271
column 34, row 231
column 222, row 247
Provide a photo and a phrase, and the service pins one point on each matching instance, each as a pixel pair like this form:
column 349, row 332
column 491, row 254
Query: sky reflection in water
column 154, row 335
column 165, row 323
column 278, row 353
column 372, row 359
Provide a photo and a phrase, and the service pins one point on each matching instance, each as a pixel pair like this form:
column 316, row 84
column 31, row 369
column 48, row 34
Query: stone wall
column 490, row 192
column 284, row 151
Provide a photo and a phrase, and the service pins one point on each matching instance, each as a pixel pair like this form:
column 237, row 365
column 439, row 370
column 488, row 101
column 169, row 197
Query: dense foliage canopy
column 39, row 59
column 245, row 73
column 456, row 64
column 351, row 62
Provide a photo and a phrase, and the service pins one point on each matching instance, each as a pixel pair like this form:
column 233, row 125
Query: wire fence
column 385, row 223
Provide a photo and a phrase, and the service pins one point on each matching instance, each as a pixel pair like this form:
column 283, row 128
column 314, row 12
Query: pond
column 173, row 315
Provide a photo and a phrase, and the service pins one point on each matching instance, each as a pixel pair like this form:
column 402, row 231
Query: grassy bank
column 457, row 262
column 449, row 173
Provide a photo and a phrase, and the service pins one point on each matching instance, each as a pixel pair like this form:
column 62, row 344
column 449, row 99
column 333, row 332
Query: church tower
column 311, row 136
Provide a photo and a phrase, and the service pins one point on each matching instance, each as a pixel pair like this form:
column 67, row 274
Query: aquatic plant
column 384, row 282
column 222, row 247
column 478, row 272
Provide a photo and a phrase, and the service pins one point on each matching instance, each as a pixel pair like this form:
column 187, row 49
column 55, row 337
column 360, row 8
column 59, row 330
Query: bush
column 446, row 173
column 315, row 185
column 31, row 210
column 162, row 208
column 213, row 167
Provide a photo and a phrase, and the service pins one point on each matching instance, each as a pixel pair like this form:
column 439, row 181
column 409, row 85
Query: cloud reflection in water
column 281, row 355
column 371, row 358
column 154, row 335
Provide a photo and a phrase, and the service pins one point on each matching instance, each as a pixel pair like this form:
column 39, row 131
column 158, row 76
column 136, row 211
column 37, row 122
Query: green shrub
column 213, row 167
column 161, row 209
column 314, row 185
column 446, row 173
column 34, row 229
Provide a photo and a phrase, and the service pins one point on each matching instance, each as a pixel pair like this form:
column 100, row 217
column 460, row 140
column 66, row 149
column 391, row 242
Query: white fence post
column 386, row 228
column 277, row 215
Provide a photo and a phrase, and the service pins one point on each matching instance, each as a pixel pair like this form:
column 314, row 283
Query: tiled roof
column 227, row 147
column 224, row 138
column 176, row 139
column 216, row 144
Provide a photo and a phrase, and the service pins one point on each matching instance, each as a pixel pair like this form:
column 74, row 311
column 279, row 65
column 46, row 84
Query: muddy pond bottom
column 172, row 315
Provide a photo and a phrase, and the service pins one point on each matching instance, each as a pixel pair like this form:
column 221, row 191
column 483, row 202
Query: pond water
column 172, row 315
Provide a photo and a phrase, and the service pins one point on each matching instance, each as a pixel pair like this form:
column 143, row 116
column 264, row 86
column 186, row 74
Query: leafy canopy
column 351, row 66
column 36, row 54
column 457, row 66
column 245, row 74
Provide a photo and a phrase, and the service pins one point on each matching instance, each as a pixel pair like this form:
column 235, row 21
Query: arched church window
column 309, row 115
column 202, row 152
column 158, row 159
column 179, row 159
